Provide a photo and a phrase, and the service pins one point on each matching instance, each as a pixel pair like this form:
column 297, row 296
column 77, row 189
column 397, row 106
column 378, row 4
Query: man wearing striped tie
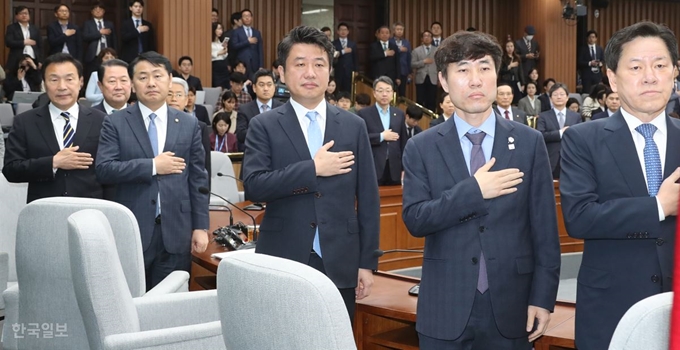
column 53, row 147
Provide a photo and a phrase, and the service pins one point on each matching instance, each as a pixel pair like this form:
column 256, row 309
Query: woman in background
column 220, row 139
column 511, row 71
column 219, row 53
column 574, row 106
column 529, row 103
column 227, row 105
column 92, row 92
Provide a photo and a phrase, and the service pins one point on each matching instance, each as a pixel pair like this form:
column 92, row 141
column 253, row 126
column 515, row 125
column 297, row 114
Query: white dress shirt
column 28, row 49
column 301, row 112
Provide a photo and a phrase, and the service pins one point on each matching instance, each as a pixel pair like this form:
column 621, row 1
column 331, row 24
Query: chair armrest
column 176, row 282
column 177, row 309
column 198, row 336
column 4, row 274
column 11, row 297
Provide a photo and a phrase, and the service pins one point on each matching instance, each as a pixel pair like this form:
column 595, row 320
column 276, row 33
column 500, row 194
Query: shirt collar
column 136, row 18
column 488, row 127
column 502, row 110
column 563, row 110
column 659, row 121
column 269, row 104
column 301, row 110
column 161, row 113
column 110, row 109
column 55, row 112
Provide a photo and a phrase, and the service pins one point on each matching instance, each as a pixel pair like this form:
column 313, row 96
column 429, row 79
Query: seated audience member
column 24, row 77
column 574, row 106
column 594, row 102
column 228, row 104
column 221, row 140
column 264, row 91
column 546, row 104
column 241, row 68
column 115, row 85
column 504, row 98
column 413, row 115
column 192, row 108
column 330, row 98
column 237, row 79
column 361, row 100
column 344, row 100
column 92, row 93
column 530, row 104
column 447, row 108
column 331, row 87
column 186, row 67
column 612, row 104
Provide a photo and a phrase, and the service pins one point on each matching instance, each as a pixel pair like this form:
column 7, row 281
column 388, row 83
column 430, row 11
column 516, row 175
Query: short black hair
column 101, row 70
column 343, row 94
column 548, row 81
column 56, row 8
column 614, row 49
column 437, row 22
column 221, row 116
column 305, row 35
column 362, row 99
column 237, row 77
column 131, row 3
column 326, row 29
column 236, row 63
column 592, row 31
column 192, row 89
column 471, row 29
column 425, row 31
column 262, row 73
column 61, row 57
column 152, row 57
column 342, row 24
column 504, row 83
column 414, row 112
column 571, row 101
column 246, row 10
column 467, row 46
column 532, row 83
column 235, row 17
column 98, row 4
column 558, row 86
column 214, row 9
column 20, row 8
column 106, row 50
column 181, row 59
column 226, row 96
column 381, row 28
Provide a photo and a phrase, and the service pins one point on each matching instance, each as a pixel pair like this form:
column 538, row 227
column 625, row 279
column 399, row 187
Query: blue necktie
column 652, row 159
column 68, row 130
column 153, row 137
column 139, row 38
column 314, row 142
column 477, row 160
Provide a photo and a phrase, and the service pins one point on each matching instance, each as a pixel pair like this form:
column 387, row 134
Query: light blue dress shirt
column 489, row 127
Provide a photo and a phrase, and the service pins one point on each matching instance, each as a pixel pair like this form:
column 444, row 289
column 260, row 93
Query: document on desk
column 222, row 255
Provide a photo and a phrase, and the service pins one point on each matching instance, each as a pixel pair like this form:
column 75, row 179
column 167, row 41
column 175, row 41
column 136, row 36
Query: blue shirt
column 384, row 118
column 489, row 127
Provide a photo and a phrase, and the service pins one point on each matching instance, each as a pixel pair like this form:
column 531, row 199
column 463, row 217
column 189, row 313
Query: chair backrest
column 6, row 115
column 646, row 325
column 12, row 201
column 23, row 107
column 43, row 267
column 578, row 98
column 304, row 308
column 103, row 297
column 570, row 265
column 210, row 109
column 223, row 185
column 212, row 95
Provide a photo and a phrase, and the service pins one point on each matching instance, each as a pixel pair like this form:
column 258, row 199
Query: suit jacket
column 250, row 54
column 600, row 115
column 246, row 113
column 518, row 115
column 193, row 81
column 588, row 77
column 56, row 39
column 14, row 40
column 92, row 37
column 384, row 150
column 202, row 114
column 548, row 125
column 32, row 144
column 628, row 253
column 384, row 65
column 404, row 57
column 545, row 102
column 439, row 120
column 346, row 62
column 422, row 70
column 525, row 105
column 278, row 169
column 416, row 130
column 100, row 107
column 517, row 233
column 522, row 50
column 129, row 36
column 125, row 158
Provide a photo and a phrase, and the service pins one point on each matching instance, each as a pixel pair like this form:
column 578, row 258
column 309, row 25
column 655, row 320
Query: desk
column 386, row 319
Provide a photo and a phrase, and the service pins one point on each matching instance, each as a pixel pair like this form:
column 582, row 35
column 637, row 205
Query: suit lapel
column 332, row 124
column 136, row 122
column 672, row 145
column 502, row 139
column 44, row 124
column 449, row 148
column 552, row 117
column 174, row 125
column 291, row 126
column 84, row 125
column 621, row 146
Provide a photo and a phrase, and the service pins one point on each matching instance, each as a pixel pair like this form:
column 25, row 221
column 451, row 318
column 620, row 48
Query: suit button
column 630, row 235
column 475, row 261
column 65, row 193
column 312, row 225
column 659, row 242
column 655, row 278
column 317, row 195
column 481, row 229
column 153, row 201
column 646, row 234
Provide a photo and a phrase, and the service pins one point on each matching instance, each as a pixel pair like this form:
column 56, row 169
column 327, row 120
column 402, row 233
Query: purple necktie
column 477, row 160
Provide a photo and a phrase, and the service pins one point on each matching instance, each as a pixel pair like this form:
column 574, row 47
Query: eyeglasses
column 177, row 95
column 388, row 91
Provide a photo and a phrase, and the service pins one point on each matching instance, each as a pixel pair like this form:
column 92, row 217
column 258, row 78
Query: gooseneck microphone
column 255, row 205
column 247, row 245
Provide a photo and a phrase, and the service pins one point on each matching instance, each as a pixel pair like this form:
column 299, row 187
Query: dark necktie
column 477, row 160
column 68, row 130
column 528, row 45
column 592, row 52
column 410, row 132
column 139, row 38
column 102, row 46
column 507, row 115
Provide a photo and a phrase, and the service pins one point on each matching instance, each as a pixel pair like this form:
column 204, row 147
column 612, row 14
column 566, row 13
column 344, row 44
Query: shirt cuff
column 153, row 168
column 662, row 216
column 561, row 132
column 381, row 137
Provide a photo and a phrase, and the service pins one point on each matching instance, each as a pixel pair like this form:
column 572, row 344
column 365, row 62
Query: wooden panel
column 393, row 232
column 360, row 17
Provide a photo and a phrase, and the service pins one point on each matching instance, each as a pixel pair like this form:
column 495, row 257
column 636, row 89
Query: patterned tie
column 384, row 46
column 265, row 108
column 250, row 33
column 314, row 142
column 68, row 130
column 477, row 160
column 560, row 119
column 102, row 45
column 507, row 115
column 139, row 38
column 652, row 158
column 528, row 45
column 436, row 42
column 344, row 44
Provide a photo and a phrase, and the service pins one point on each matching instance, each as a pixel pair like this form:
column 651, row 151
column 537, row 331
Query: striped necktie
column 69, row 133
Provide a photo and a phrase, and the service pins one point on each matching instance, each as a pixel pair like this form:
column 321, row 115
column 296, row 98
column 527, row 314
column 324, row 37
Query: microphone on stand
column 246, row 245
column 378, row 253
column 254, row 206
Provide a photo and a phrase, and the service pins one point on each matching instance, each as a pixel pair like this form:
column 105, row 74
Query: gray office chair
column 646, row 325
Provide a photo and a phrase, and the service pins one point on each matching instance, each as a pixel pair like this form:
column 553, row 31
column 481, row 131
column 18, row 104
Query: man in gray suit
column 553, row 122
column 422, row 60
column 154, row 155
column 503, row 104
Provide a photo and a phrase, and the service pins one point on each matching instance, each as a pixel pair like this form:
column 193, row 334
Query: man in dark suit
column 186, row 67
column 98, row 34
column 554, row 122
column 618, row 186
column 590, row 62
column 479, row 189
column 546, row 105
column 504, row 107
column 137, row 35
column 114, row 83
column 22, row 38
column 311, row 163
column 405, row 48
column 245, row 44
column 386, row 131
column 413, row 116
column 264, row 87
column 346, row 62
column 528, row 50
column 153, row 153
column 447, row 109
column 64, row 36
column 612, row 102
column 384, row 56
column 53, row 147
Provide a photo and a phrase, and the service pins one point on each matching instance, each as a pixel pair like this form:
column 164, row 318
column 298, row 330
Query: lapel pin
column 176, row 120
column 511, row 143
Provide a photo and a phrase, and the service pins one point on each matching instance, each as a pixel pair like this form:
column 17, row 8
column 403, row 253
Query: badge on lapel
column 511, row 143
column 176, row 120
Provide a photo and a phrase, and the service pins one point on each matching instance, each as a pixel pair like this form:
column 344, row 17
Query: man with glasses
column 264, row 89
column 552, row 124
column 64, row 36
column 386, row 131
column 22, row 38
